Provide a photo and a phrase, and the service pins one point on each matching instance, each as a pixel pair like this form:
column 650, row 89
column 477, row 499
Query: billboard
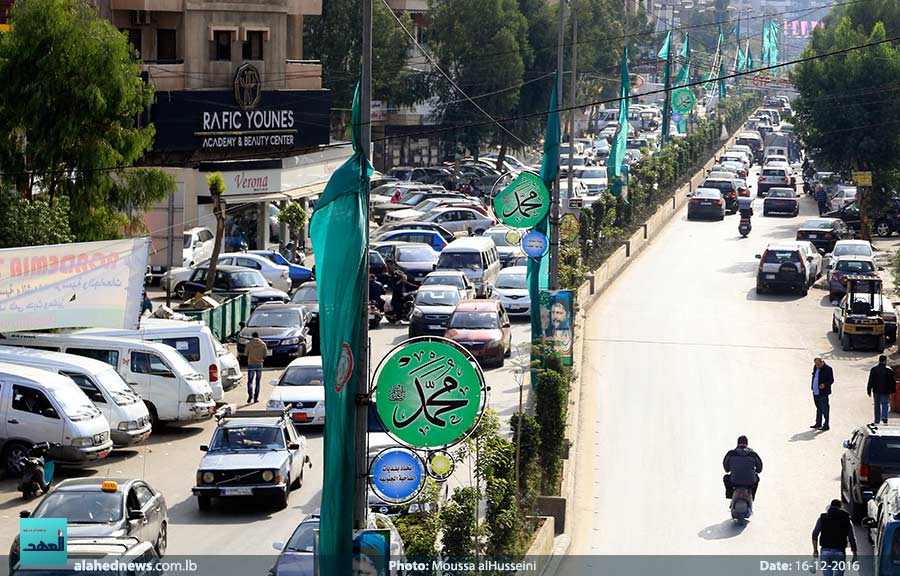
column 557, row 323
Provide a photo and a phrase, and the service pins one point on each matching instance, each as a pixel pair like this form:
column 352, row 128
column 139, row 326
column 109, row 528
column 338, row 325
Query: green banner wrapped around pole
column 616, row 159
column 337, row 230
column 663, row 54
column 722, row 91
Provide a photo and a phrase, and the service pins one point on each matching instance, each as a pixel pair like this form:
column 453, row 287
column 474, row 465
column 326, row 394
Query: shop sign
column 244, row 182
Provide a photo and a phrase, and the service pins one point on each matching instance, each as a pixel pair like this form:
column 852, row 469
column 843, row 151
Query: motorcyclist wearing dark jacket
column 743, row 466
column 399, row 293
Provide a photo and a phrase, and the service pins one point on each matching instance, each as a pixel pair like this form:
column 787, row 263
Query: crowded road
column 168, row 462
column 681, row 357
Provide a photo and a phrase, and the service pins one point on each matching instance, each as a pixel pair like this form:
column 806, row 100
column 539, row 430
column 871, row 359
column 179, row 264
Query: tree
column 845, row 105
column 39, row 222
column 216, row 185
column 70, row 104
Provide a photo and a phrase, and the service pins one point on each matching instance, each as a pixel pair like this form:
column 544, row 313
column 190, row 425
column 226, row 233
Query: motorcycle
column 374, row 315
column 744, row 227
column 37, row 474
column 395, row 315
column 741, row 504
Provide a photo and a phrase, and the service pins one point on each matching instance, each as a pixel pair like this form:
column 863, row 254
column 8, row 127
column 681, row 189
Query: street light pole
column 554, row 203
column 572, row 97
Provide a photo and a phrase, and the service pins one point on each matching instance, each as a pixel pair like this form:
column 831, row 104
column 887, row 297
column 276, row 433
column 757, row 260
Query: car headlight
column 130, row 425
column 268, row 475
column 242, row 340
column 416, row 313
column 195, row 398
column 208, row 477
column 493, row 344
column 290, row 341
column 81, row 442
column 274, row 404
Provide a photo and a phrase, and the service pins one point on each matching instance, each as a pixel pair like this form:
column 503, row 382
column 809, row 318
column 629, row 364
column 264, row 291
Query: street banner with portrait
column 557, row 324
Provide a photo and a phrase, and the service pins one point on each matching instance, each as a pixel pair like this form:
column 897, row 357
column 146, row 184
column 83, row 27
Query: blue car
column 430, row 237
column 298, row 274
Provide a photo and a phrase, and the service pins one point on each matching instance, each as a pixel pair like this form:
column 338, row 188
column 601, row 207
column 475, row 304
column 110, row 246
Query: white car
column 459, row 219
column 850, row 248
column 813, row 256
column 301, row 387
column 511, row 288
column 198, row 245
column 455, row 278
column 278, row 276
column 594, row 179
column 843, row 196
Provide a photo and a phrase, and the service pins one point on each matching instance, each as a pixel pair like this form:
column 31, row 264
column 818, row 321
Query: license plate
column 770, row 276
column 300, row 416
column 435, row 327
column 371, row 316
column 268, row 352
column 240, row 491
column 813, row 236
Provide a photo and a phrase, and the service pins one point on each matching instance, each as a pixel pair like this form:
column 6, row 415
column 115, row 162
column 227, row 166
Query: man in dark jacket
column 833, row 532
column 821, row 199
column 822, row 379
column 882, row 384
column 743, row 466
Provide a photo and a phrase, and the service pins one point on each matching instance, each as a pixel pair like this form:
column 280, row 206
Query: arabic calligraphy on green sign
column 523, row 203
column 429, row 392
column 683, row 100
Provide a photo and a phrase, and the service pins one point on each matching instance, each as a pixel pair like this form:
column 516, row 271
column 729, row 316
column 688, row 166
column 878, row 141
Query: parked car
column 813, row 256
column 885, row 220
column 285, row 328
column 430, row 237
column 483, row 328
column 455, row 278
column 307, row 295
column 236, row 279
column 301, row 391
column 706, row 203
column 784, row 266
column 432, row 309
column 883, row 522
column 198, row 245
column 105, row 507
column 850, row 248
column 501, row 235
column 728, row 189
column 594, row 178
column 411, row 194
column 252, row 453
column 414, row 260
column 278, row 276
column 871, row 455
column 511, row 288
column 843, row 196
column 781, row 200
column 460, row 220
column 381, row 231
column 377, row 266
column 844, row 266
column 297, row 272
column 824, row 232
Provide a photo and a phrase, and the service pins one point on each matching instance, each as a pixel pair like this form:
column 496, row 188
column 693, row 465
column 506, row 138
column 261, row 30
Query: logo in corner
column 42, row 542
column 344, row 368
column 247, row 87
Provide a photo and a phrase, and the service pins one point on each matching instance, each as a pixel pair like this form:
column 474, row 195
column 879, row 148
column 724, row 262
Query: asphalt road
column 168, row 462
column 681, row 357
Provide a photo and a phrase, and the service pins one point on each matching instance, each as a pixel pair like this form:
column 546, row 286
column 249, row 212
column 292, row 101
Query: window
column 199, row 276
column 111, row 357
column 187, row 347
column 253, row 46
column 27, row 399
column 165, row 45
column 87, row 386
column 134, row 38
column 221, row 45
column 144, row 495
column 145, row 363
column 248, row 263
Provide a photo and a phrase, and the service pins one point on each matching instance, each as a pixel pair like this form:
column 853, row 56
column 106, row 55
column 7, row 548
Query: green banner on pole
column 616, row 158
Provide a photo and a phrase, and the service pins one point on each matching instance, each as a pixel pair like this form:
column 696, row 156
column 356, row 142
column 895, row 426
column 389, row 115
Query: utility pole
column 362, row 359
column 572, row 97
column 554, row 203
column 170, row 248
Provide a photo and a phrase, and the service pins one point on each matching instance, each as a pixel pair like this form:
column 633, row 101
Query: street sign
column 535, row 244
column 677, row 117
column 862, row 178
column 576, row 203
column 397, row 475
column 523, row 203
column 440, row 465
column 682, row 100
column 429, row 392
column 513, row 237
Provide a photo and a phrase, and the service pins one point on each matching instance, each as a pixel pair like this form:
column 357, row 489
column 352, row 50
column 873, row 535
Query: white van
column 40, row 406
column 128, row 417
column 476, row 257
column 195, row 341
column 173, row 391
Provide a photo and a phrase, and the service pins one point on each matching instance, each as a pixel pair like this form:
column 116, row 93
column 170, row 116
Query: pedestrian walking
column 832, row 533
column 822, row 379
column 256, row 355
column 880, row 387
column 821, row 199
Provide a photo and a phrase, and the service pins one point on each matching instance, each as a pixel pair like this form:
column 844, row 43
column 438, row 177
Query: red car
column 481, row 327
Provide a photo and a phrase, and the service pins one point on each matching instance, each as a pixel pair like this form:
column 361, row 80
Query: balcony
column 165, row 74
column 149, row 5
column 303, row 75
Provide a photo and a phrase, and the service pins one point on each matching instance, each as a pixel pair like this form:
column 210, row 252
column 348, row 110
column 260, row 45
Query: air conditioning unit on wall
column 140, row 17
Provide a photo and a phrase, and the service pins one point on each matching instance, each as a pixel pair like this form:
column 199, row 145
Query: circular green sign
column 523, row 203
column 682, row 100
column 429, row 392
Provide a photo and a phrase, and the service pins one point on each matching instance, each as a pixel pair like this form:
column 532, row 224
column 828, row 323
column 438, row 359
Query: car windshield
column 446, row 280
column 591, row 173
column 121, row 393
column 247, row 279
column 780, row 193
column 415, row 254
column 426, row 205
column 780, row 256
column 852, row 250
column 273, row 319
column 187, row 241
column 73, row 402
column 498, row 236
column 81, row 507
column 854, row 266
column 511, row 281
column 229, row 438
column 412, row 199
column 302, row 376
column 303, row 538
column 437, row 297
column 306, row 294
column 460, row 260
column 475, row 320
column 701, row 193
column 817, row 225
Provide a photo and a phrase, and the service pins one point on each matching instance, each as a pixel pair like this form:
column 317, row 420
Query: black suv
column 884, row 222
column 872, row 454
column 728, row 189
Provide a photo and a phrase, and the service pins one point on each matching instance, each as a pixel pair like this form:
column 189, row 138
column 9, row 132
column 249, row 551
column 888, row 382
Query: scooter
column 741, row 504
column 374, row 315
column 744, row 227
column 395, row 315
column 37, row 474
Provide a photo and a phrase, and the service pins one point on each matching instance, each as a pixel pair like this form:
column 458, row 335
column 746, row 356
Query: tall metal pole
column 572, row 97
column 554, row 204
column 362, row 358
column 170, row 247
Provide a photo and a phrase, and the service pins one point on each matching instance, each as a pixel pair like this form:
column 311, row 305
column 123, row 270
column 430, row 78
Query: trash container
column 895, row 397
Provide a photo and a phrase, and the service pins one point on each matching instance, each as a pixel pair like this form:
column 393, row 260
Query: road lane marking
column 711, row 344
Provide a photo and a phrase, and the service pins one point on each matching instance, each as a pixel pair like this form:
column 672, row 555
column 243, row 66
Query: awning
column 234, row 199
column 307, row 191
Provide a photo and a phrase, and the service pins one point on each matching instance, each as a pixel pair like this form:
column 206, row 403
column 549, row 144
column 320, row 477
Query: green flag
column 749, row 64
column 684, row 72
column 773, row 45
column 617, row 150
column 337, row 229
column 663, row 53
column 737, row 33
column 741, row 61
column 686, row 47
column 722, row 92
column 538, row 275
column 764, row 51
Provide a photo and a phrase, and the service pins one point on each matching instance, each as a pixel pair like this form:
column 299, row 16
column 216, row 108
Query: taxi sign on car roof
column 110, row 486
